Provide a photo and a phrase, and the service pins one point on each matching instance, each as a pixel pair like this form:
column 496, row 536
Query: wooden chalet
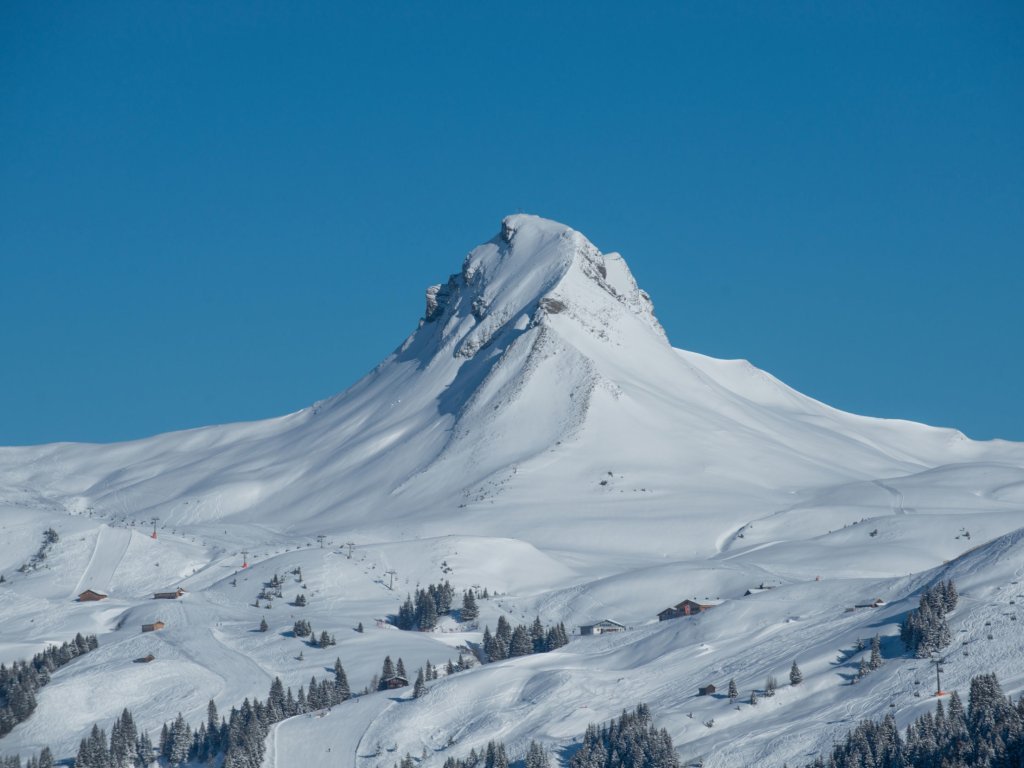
column 688, row 608
column 397, row 681
column 155, row 626
column 90, row 596
column 169, row 595
column 603, row 627
column 706, row 690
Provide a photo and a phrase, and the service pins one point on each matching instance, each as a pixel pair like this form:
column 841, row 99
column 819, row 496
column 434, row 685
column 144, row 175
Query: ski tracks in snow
column 897, row 497
column 107, row 554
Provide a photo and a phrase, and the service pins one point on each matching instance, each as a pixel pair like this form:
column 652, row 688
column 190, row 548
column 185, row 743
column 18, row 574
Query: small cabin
column 603, row 627
column 706, row 690
column 155, row 626
column 169, row 595
column 90, row 596
column 688, row 608
column 391, row 683
column 876, row 603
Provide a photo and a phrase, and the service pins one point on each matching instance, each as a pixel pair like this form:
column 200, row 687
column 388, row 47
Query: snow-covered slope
column 536, row 434
column 538, row 372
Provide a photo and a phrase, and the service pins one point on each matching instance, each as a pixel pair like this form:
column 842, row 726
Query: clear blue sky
column 213, row 212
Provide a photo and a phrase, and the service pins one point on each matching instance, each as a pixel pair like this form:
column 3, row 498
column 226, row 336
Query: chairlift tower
column 321, row 538
column 245, row 558
column 391, row 577
column 350, row 544
column 938, row 681
column 154, row 521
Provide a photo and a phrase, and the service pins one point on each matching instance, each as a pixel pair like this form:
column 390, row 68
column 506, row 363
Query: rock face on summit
column 534, row 267
column 538, row 397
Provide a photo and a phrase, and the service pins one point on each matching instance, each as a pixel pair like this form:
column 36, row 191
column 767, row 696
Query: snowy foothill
column 538, row 437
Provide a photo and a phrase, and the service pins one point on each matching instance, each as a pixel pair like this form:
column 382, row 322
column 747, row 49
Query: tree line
column 429, row 604
column 989, row 733
column 508, row 642
column 20, row 681
column 238, row 737
column 631, row 741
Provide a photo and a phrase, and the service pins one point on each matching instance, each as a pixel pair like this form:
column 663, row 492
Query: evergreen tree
column 521, row 644
column 753, row 697
column 876, row 653
column 488, row 644
column 165, row 742
column 734, row 692
column 421, row 687
column 795, row 675
column 864, row 667
column 386, row 674
column 180, row 741
column 770, row 685
column 342, row 691
column 537, row 757
column 469, row 610
column 537, row 636
column 950, row 597
column 400, row 669
column 84, row 757
column 426, row 611
column 100, row 747
column 263, row 625
column 276, row 700
column 314, row 699
column 503, row 634
column 551, row 639
column 123, row 735
column 407, row 614
column 212, row 729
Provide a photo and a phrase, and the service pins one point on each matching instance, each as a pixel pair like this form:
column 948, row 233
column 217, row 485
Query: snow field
column 535, row 435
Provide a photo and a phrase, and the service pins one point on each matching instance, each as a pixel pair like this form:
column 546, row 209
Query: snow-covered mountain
column 537, row 434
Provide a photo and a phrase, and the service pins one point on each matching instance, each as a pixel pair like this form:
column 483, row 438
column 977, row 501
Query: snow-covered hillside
column 538, row 435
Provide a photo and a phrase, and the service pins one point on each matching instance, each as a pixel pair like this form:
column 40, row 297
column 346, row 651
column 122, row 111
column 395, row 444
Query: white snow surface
column 536, row 435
